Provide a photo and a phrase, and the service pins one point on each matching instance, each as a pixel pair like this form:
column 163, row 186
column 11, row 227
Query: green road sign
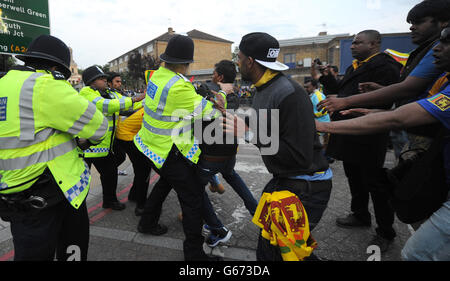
column 20, row 22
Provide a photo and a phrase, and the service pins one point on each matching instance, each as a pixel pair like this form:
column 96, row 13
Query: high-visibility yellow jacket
column 40, row 117
column 170, row 108
column 110, row 107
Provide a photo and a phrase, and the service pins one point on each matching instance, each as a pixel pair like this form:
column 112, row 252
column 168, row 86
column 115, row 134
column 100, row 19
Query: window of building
column 289, row 58
column 150, row 48
column 331, row 55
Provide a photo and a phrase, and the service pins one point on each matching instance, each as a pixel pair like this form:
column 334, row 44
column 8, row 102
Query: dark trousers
column 108, row 176
column 314, row 197
column 60, row 228
column 180, row 174
column 364, row 180
column 141, row 166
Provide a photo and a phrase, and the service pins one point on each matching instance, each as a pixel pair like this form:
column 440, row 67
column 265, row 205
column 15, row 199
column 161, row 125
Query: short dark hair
column 373, row 35
column 313, row 82
column 112, row 75
column 439, row 10
column 227, row 69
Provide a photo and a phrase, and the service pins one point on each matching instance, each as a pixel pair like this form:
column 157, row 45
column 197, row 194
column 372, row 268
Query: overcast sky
column 102, row 30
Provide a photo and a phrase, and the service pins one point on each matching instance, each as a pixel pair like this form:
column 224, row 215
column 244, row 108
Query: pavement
column 114, row 236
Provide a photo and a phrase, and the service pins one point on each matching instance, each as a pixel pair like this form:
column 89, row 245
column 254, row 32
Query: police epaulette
column 58, row 75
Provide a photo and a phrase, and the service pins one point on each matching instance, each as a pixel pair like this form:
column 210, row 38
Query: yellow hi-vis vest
column 170, row 108
column 39, row 119
column 284, row 223
column 110, row 109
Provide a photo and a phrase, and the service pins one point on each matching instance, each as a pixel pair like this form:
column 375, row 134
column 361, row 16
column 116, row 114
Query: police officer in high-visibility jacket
column 110, row 103
column 166, row 138
column 43, row 178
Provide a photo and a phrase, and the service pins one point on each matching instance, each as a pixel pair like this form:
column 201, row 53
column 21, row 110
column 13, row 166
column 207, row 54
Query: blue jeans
column 431, row 242
column 206, row 172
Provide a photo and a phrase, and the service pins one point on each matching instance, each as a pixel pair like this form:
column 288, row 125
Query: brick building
column 299, row 53
column 208, row 51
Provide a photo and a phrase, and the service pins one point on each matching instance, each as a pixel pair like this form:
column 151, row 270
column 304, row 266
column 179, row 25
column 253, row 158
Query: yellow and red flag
column 399, row 57
column 284, row 223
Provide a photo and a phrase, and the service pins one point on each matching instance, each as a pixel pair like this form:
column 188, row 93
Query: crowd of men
column 51, row 135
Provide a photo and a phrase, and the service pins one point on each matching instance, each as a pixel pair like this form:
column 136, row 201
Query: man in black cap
column 298, row 165
column 43, row 180
column 167, row 143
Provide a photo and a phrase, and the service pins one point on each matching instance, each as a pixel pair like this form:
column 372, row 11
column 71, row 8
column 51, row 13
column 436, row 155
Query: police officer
column 43, row 179
column 110, row 103
column 166, row 139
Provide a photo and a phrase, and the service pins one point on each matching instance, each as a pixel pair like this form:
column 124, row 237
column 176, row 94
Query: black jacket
column 364, row 149
column 299, row 151
column 221, row 150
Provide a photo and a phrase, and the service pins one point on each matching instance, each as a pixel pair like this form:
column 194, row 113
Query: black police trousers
column 141, row 167
column 58, row 228
column 180, row 174
column 106, row 167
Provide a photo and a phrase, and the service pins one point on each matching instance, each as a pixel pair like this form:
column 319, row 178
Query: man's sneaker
column 218, row 236
column 206, row 228
column 381, row 242
column 217, row 188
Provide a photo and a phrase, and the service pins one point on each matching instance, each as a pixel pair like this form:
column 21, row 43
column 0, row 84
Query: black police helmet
column 180, row 49
column 49, row 48
column 91, row 73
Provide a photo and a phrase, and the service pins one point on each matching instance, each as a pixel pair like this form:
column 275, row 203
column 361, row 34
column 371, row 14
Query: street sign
column 20, row 22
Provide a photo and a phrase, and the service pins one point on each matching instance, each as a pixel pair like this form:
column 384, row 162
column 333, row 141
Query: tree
column 137, row 65
column 106, row 68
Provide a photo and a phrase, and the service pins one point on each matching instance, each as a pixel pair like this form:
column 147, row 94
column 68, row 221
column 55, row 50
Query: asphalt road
column 114, row 236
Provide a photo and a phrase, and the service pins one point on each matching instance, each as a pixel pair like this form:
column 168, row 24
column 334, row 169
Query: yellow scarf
column 357, row 63
column 268, row 75
column 285, row 223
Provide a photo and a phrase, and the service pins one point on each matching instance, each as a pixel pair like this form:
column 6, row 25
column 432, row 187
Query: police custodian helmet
column 91, row 73
column 180, row 49
column 49, row 48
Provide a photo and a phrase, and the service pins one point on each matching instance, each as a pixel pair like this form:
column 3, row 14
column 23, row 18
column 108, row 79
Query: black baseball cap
column 264, row 48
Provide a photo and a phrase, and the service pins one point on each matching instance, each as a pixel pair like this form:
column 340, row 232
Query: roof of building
column 194, row 34
column 323, row 39
column 197, row 34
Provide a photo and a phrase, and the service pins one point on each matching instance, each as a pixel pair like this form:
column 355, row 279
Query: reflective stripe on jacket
column 110, row 107
column 171, row 107
column 42, row 116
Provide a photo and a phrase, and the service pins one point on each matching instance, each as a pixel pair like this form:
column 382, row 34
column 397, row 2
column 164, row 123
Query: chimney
column 323, row 33
column 170, row 31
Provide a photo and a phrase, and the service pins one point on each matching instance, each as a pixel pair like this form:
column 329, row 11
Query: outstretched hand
column 332, row 104
column 369, row 87
column 233, row 125
column 218, row 101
